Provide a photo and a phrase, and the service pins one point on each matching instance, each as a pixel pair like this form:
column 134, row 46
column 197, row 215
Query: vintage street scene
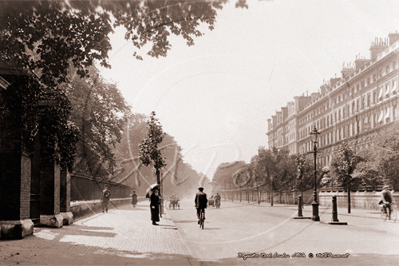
column 199, row 132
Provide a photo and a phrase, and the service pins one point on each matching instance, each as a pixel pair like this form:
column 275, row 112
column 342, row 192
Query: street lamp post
column 315, row 204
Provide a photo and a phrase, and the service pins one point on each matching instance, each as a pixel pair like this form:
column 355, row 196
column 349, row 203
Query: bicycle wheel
column 202, row 220
column 383, row 215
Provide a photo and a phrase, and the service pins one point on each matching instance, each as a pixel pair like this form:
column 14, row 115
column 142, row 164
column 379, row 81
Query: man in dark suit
column 200, row 202
column 105, row 197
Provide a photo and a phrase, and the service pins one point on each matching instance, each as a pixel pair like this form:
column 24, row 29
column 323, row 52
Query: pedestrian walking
column 106, row 195
column 134, row 199
column 217, row 200
column 154, row 206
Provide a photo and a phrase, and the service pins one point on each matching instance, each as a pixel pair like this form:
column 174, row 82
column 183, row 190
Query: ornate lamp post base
column 315, row 207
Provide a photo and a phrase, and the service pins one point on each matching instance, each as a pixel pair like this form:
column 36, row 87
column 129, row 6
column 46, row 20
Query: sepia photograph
column 199, row 132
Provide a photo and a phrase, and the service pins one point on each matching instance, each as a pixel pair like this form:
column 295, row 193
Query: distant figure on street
column 386, row 200
column 200, row 202
column 217, row 200
column 154, row 206
column 134, row 199
column 106, row 195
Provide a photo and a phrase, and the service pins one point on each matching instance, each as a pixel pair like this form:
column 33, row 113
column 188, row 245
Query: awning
column 381, row 116
column 380, row 96
column 387, row 114
column 394, row 86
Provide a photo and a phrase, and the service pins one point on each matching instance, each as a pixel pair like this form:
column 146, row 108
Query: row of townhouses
column 352, row 107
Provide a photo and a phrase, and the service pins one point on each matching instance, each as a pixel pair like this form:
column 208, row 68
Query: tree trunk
column 349, row 196
column 158, row 173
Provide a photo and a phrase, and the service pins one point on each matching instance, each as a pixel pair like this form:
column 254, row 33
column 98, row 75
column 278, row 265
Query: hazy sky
column 215, row 97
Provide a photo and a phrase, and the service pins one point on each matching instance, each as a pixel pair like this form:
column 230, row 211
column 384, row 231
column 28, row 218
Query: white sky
column 215, row 97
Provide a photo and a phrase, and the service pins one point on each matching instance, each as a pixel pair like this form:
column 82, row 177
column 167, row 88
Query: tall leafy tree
column 150, row 154
column 380, row 164
column 225, row 178
column 43, row 39
column 278, row 167
column 100, row 111
column 344, row 164
column 50, row 36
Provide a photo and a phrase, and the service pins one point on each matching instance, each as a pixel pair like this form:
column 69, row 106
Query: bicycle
column 202, row 219
column 385, row 214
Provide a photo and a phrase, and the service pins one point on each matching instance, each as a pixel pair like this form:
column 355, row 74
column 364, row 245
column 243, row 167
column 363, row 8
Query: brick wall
column 25, row 187
column 65, row 191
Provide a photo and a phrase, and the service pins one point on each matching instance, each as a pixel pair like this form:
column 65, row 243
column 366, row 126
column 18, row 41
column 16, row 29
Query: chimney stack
column 393, row 37
column 377, row 47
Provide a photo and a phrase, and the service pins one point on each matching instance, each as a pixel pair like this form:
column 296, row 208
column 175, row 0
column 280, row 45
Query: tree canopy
column 43, row 40
column 100, row 111
column 49, row 36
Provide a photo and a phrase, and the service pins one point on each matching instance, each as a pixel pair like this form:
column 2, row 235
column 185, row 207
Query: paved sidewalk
column 124, row 235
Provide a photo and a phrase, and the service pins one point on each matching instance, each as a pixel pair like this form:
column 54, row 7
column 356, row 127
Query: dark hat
column 200, row 188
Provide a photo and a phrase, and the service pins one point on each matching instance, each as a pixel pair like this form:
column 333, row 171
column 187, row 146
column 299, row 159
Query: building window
column 387, row 69
column 394, row 88
column 380, row 120
column 387, row 116
column 368, row 100
column 387, row 89
column 380, row 94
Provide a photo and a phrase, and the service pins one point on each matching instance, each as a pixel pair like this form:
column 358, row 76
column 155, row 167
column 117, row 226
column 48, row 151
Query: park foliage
column 53, row 43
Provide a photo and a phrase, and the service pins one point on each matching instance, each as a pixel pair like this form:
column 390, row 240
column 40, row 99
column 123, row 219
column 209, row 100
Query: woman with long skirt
column 134, row 199
column 154, row 205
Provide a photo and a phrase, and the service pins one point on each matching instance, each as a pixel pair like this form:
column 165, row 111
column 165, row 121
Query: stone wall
column 359, row 200
column 85, row 208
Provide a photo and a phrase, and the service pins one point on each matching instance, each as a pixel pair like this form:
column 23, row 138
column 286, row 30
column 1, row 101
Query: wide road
column 248, row 228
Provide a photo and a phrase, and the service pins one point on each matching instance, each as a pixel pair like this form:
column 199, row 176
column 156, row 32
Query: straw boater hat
column 386, row 186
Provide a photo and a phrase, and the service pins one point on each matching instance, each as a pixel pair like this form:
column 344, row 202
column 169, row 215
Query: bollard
column 335, row 212
column 334, row 209
column 300, row 206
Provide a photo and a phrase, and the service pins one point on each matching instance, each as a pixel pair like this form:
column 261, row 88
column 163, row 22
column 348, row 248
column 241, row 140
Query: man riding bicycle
column 200, row 202
column 386, row 200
